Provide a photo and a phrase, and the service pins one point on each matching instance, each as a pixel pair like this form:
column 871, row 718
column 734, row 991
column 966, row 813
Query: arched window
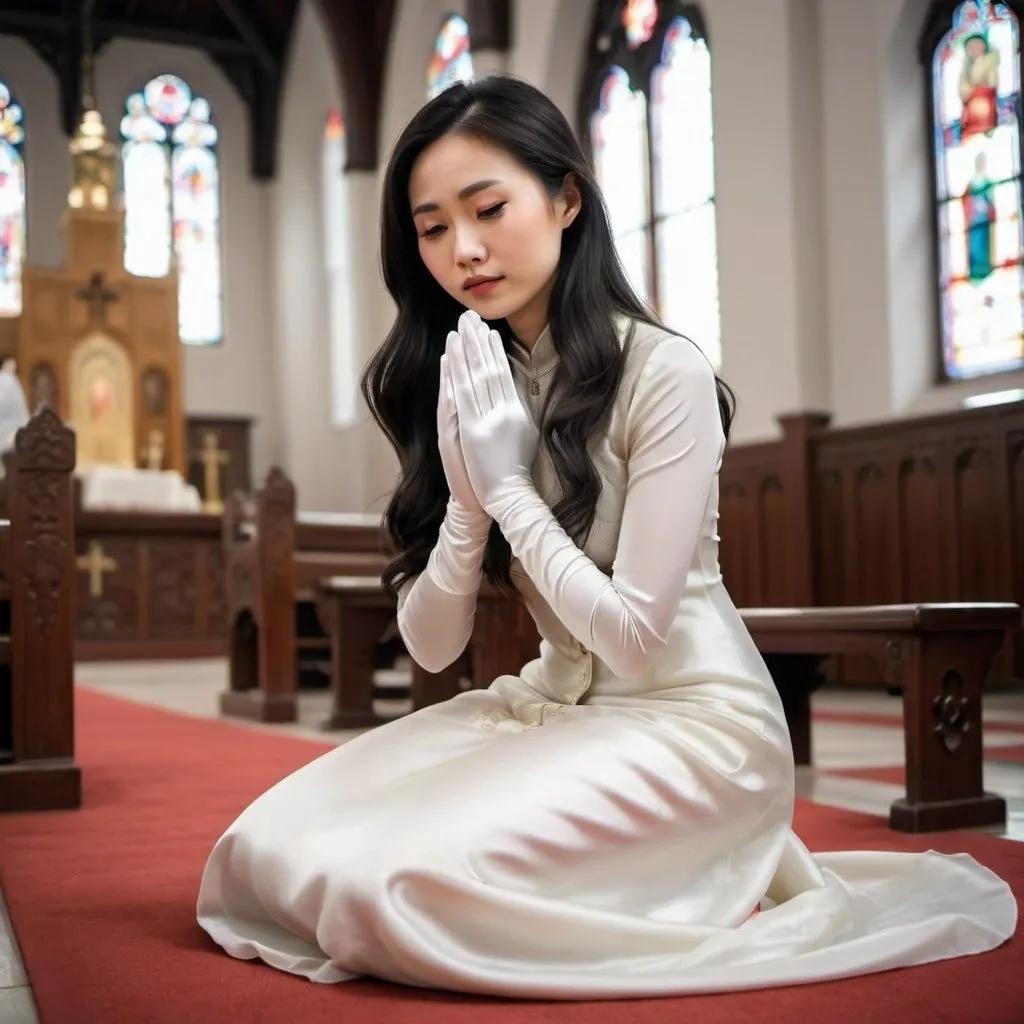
column 646, row 102
column 12, row 203
column 172, row 200
column 451, row 60
column 338, row 261
column 972, row 57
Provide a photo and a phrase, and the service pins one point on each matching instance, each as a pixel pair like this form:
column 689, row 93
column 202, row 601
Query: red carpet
column 103, row 900
column 895, row 720
column 895, row 774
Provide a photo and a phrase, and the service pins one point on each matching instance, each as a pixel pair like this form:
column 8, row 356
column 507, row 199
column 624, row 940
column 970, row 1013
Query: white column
column 372, row 317
column 769, row 209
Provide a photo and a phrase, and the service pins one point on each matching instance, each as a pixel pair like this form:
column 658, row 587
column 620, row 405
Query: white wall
column 321, row 459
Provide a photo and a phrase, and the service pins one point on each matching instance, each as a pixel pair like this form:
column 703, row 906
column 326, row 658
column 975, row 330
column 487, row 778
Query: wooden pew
column 938, row 656
column 37, row 561
column 355, row 610
column 273, row 557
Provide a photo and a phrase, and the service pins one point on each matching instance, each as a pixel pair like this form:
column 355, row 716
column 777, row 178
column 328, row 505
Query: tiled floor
column 192, row 688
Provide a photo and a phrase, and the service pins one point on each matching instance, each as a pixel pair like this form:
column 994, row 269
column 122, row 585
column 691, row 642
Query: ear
column 572, row 198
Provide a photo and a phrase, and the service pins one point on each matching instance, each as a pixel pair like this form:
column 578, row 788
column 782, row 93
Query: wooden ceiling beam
column 24, row 23
column 250, row 35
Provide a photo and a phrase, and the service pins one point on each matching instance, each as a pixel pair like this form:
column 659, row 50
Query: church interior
column 826, row 196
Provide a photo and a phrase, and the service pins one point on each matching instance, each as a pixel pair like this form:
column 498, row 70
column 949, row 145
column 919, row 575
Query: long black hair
column 401, row 381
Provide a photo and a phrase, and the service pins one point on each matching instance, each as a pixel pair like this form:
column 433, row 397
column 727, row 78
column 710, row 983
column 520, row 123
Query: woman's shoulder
column 654, row 350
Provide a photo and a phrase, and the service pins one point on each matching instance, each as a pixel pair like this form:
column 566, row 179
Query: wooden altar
column 96, row 343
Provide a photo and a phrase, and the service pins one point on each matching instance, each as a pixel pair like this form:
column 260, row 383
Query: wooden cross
column 98, row 295
column 95, row 564
column 212, row 457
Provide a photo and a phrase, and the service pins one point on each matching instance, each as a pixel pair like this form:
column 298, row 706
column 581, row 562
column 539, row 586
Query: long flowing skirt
column 614, row 849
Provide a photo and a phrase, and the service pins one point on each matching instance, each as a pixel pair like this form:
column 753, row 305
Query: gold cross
column 95, row 564
column 212, row 458
column 153, row 453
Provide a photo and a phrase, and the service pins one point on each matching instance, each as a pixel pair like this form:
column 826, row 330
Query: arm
column 436, row 609
column 674, row 443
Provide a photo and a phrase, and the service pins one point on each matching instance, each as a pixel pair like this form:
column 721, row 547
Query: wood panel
column 925, row 509
column 149, row 585
column 233, row 437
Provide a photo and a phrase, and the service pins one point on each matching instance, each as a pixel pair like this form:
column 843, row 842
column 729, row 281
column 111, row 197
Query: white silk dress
column 604, row 824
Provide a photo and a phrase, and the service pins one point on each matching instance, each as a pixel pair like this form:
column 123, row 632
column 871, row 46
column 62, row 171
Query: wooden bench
column 938, row 657
column 355, row 610
column 37, row 627
column 273, row 558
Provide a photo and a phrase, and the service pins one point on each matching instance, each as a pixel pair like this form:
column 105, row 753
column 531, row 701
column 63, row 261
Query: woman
column 606, row 823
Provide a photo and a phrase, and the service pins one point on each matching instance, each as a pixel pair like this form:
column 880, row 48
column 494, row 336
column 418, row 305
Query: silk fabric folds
column 613, row 822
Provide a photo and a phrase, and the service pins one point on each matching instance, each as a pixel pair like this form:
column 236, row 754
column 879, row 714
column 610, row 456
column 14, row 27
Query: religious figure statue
column 101, row 402
column 979, row 82
column 979, row 220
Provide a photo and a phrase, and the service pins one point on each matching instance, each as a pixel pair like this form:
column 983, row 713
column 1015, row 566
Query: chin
column 498, row 307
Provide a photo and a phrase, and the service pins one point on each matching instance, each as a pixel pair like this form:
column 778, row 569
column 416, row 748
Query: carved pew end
column 938, row 656
column 37, row 558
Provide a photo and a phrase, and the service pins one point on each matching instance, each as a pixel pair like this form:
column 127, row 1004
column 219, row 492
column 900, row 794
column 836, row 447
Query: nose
column 469, row 247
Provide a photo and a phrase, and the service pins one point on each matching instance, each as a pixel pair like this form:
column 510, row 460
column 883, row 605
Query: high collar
column 537, row 361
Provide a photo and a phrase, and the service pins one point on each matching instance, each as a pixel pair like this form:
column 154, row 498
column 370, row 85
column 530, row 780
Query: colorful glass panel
column 618, row 131
column 638, row 19
column 684, row 188
column 977, row 125
column 12, row 203
column 172, row 198
column 452, row 59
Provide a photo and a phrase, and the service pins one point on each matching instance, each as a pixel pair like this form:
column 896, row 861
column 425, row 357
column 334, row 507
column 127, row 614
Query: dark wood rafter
column 938, row 21
column 490, row 24
column 606, row 49
column 360, row 34
column 247, row 40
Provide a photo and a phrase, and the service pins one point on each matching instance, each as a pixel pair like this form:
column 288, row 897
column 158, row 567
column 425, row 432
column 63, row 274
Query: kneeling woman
column 607, row 822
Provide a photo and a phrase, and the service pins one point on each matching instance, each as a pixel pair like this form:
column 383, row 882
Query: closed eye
column 493, row 211
column 434, row 231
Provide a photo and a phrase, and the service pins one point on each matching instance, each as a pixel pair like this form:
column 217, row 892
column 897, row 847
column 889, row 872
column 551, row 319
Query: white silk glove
column 437, row 609
column 499, row 439
column 448, row 443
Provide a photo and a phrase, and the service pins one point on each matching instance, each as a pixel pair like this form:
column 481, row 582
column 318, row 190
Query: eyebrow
column 469, row 190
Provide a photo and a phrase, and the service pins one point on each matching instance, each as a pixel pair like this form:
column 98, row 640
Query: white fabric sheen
column 437, row 609
column 571, row 832
column 672, row 449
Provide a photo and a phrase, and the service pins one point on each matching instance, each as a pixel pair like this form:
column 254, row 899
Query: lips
column 480, row 284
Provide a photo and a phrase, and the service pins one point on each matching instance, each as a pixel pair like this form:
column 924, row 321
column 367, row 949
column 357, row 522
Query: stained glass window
column 684, row 188
column 338, row 261
column 172, row 200
column 12, row 203
column 976, row 106
column 452, row 60
column 618, row 135
column 639, row 18
column 652, row 138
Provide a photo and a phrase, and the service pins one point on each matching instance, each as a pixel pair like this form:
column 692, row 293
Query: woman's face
column 489, row 232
